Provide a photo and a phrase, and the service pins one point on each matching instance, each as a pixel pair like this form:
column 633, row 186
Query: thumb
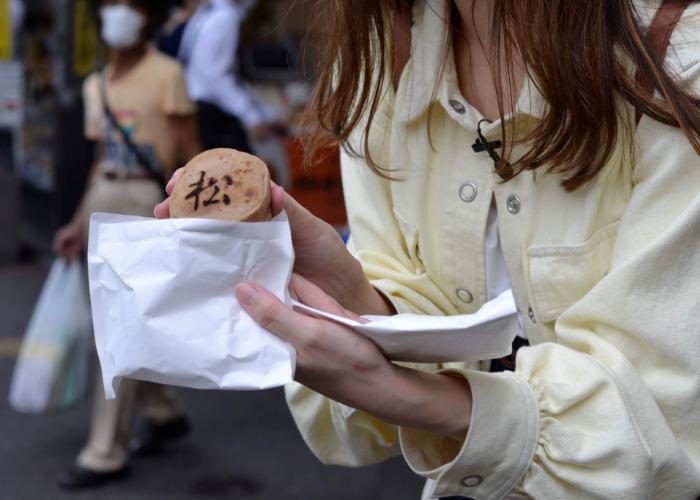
column 302, row 221
column 277, row 202
column 299, row 216
column 274, row 316
column 173, row 180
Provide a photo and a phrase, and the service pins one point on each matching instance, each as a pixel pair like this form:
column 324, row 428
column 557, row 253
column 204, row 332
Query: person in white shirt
column 17, row 13
column 228, row 112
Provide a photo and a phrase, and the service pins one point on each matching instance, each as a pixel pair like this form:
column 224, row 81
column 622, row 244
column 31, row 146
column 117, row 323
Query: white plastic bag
column 52, row 368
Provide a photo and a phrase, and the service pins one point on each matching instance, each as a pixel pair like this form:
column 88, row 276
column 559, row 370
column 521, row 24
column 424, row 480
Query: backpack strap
column 401, row 42
column 659, row 35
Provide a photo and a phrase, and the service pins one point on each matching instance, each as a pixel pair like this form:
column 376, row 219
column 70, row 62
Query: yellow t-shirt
column 142, row 101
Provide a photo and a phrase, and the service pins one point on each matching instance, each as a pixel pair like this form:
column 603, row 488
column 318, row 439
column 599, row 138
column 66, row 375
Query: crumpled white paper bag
column 163, row 303
column 486, row 334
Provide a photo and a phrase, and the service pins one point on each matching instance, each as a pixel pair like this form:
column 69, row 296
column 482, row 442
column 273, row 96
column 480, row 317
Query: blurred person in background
column 170, row 36
column 227, row 111
column 17, row 13
column 138, row 112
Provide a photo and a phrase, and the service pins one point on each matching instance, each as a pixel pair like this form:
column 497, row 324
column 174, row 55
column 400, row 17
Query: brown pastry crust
column 223, row 184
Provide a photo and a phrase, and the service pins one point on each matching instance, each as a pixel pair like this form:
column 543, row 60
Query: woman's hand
column 69, row 241
column 321, row 256
column 347, row 367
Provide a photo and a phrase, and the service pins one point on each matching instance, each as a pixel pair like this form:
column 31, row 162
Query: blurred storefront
column 53, row 46
column 48, row 47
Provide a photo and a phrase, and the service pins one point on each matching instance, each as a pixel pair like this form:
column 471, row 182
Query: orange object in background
column 319, row 187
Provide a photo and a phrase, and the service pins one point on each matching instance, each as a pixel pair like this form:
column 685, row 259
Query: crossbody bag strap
column 143, row 160
column 659, row 35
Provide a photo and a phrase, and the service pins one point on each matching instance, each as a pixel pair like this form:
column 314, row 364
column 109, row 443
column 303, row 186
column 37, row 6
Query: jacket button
column 457, row 106
column 465, row 296
column 531, row 314
column 467, row 192
column 471, row 481
column 513, row 204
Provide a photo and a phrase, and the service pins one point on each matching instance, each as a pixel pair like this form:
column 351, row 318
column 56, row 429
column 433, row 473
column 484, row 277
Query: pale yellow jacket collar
column 430, row 45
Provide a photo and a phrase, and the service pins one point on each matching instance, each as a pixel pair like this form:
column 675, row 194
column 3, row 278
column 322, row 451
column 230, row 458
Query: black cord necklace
column 503, row 168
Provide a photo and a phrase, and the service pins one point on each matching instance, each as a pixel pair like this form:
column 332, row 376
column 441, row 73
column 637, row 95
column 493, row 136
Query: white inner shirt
column 497, row 279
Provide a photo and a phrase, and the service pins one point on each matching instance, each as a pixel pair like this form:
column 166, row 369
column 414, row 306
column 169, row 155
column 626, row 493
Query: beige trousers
column 110, row 427
column 107, row 446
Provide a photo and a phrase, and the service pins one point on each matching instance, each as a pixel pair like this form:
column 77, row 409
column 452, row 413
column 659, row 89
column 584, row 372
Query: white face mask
column 121, row 26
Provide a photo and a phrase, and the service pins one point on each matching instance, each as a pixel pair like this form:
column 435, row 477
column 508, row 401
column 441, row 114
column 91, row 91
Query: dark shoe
column 152, row 437
column 79, row 477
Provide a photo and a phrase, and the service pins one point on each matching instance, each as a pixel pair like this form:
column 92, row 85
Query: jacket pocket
column 561, row 275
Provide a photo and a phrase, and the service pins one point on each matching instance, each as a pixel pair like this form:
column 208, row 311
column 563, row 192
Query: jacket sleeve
column 338, row 434
column 611, row 410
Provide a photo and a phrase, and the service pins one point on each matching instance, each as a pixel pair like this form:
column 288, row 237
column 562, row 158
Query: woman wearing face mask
column 138, row 112
column 548, row 146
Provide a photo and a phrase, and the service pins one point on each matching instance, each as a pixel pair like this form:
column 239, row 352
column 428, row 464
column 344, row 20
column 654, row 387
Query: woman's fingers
column 311, row 295
column 162, row 210
column 74, row 251
column 277, row 202
column 69, row 249
column 173, row 180
column 332, row 359
column 281, row 200
column 273, row 315
column 58, row 243
column 304, row 224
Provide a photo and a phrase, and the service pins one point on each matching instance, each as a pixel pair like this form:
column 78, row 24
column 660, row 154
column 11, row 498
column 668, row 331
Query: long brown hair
column 574, row 52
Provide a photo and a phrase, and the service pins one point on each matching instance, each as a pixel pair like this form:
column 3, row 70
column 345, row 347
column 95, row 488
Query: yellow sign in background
column 5, row 31
column 85, row 40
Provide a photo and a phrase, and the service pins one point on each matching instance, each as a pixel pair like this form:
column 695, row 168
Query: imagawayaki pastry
column 223, row 184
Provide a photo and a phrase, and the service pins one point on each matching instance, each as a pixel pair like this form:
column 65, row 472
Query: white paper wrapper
column 163, row 303
column 486, row 334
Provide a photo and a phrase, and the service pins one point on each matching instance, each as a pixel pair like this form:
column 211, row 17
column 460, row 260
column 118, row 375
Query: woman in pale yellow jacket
column 591, row 215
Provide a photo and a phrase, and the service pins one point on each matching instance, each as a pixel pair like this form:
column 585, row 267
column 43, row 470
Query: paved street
column 244, row 444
